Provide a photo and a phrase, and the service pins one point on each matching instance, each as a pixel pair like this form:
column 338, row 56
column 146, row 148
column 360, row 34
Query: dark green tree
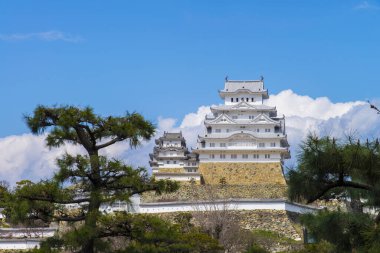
column 347, row 231
column 328, row 169
column 141, row 233
column 83, row 182
column 151, row 234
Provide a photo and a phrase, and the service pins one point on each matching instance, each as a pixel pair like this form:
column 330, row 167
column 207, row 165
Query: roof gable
column 263, row 119
column 243, row 105
column 222, row 119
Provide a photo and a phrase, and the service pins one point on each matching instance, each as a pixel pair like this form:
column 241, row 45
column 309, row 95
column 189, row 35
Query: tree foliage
column 83, row 182
column 139, row 233
column 328, row 168
column 347, row 231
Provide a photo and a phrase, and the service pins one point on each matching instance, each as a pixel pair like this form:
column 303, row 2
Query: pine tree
column 83, row 182
column 328, row 168
column 350, row 170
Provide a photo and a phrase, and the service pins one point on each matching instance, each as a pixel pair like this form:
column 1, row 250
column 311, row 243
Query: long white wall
column 232, row 204
column 23, row 238
column 20, row 241
column 179, row 177
column 26, row 232
column 19, row 244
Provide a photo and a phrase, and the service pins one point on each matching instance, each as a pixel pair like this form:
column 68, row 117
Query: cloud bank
column 43, row 36
column 25, row 156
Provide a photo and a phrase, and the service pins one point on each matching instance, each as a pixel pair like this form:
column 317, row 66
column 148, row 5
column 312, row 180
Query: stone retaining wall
column 189, row 192
column 281, row 222
column 242, row 173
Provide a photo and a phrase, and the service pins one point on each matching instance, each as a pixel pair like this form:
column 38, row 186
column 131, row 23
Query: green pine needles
column 83, row 182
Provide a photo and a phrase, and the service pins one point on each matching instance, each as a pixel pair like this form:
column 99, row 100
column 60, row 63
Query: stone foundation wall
column 242, row 173
column 190, row 192
column 280, row 222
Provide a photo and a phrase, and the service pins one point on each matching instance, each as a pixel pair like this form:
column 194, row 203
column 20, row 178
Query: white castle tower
column 172, row 160
column 244, row 143
column 243, row 129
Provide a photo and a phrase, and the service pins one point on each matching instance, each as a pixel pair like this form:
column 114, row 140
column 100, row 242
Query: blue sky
column 167, row 58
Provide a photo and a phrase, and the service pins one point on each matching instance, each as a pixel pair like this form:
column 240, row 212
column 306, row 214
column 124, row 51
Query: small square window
column 245, row 156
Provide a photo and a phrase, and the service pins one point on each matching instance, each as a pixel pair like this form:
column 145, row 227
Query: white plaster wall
column 257, row 99
column 19, row 244
column 168, row 207
column 171, row 154
column 26, row 232
column 172, row 165
column 296, row 208
column 171, row 143
column 242, row 144
column 274, row 157
column 133, row 206
column 182, row 178
column 256, row 129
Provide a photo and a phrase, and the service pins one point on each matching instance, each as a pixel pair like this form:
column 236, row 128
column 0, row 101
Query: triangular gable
column 244, row 135
column 263, row 119
column 223, row 119
column 243, row 105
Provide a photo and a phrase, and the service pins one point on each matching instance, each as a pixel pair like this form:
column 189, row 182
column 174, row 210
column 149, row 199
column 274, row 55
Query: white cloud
column 292, row 104
column 195, row 119
column 365, row 5
column 44, row 36
column 25, row 156
column 166, row 124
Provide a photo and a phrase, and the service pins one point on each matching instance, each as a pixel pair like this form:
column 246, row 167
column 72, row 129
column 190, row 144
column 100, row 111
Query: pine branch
column 52, row 200
column 113, row 141
column 337, row 184
column 374, row 107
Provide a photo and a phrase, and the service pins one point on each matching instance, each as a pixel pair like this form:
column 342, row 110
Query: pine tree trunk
column 93, row 207
column 90, row 222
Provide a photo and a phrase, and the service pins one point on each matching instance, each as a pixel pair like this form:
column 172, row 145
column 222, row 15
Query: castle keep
column 236, row 165
column 244, row 142
column 171, row 159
